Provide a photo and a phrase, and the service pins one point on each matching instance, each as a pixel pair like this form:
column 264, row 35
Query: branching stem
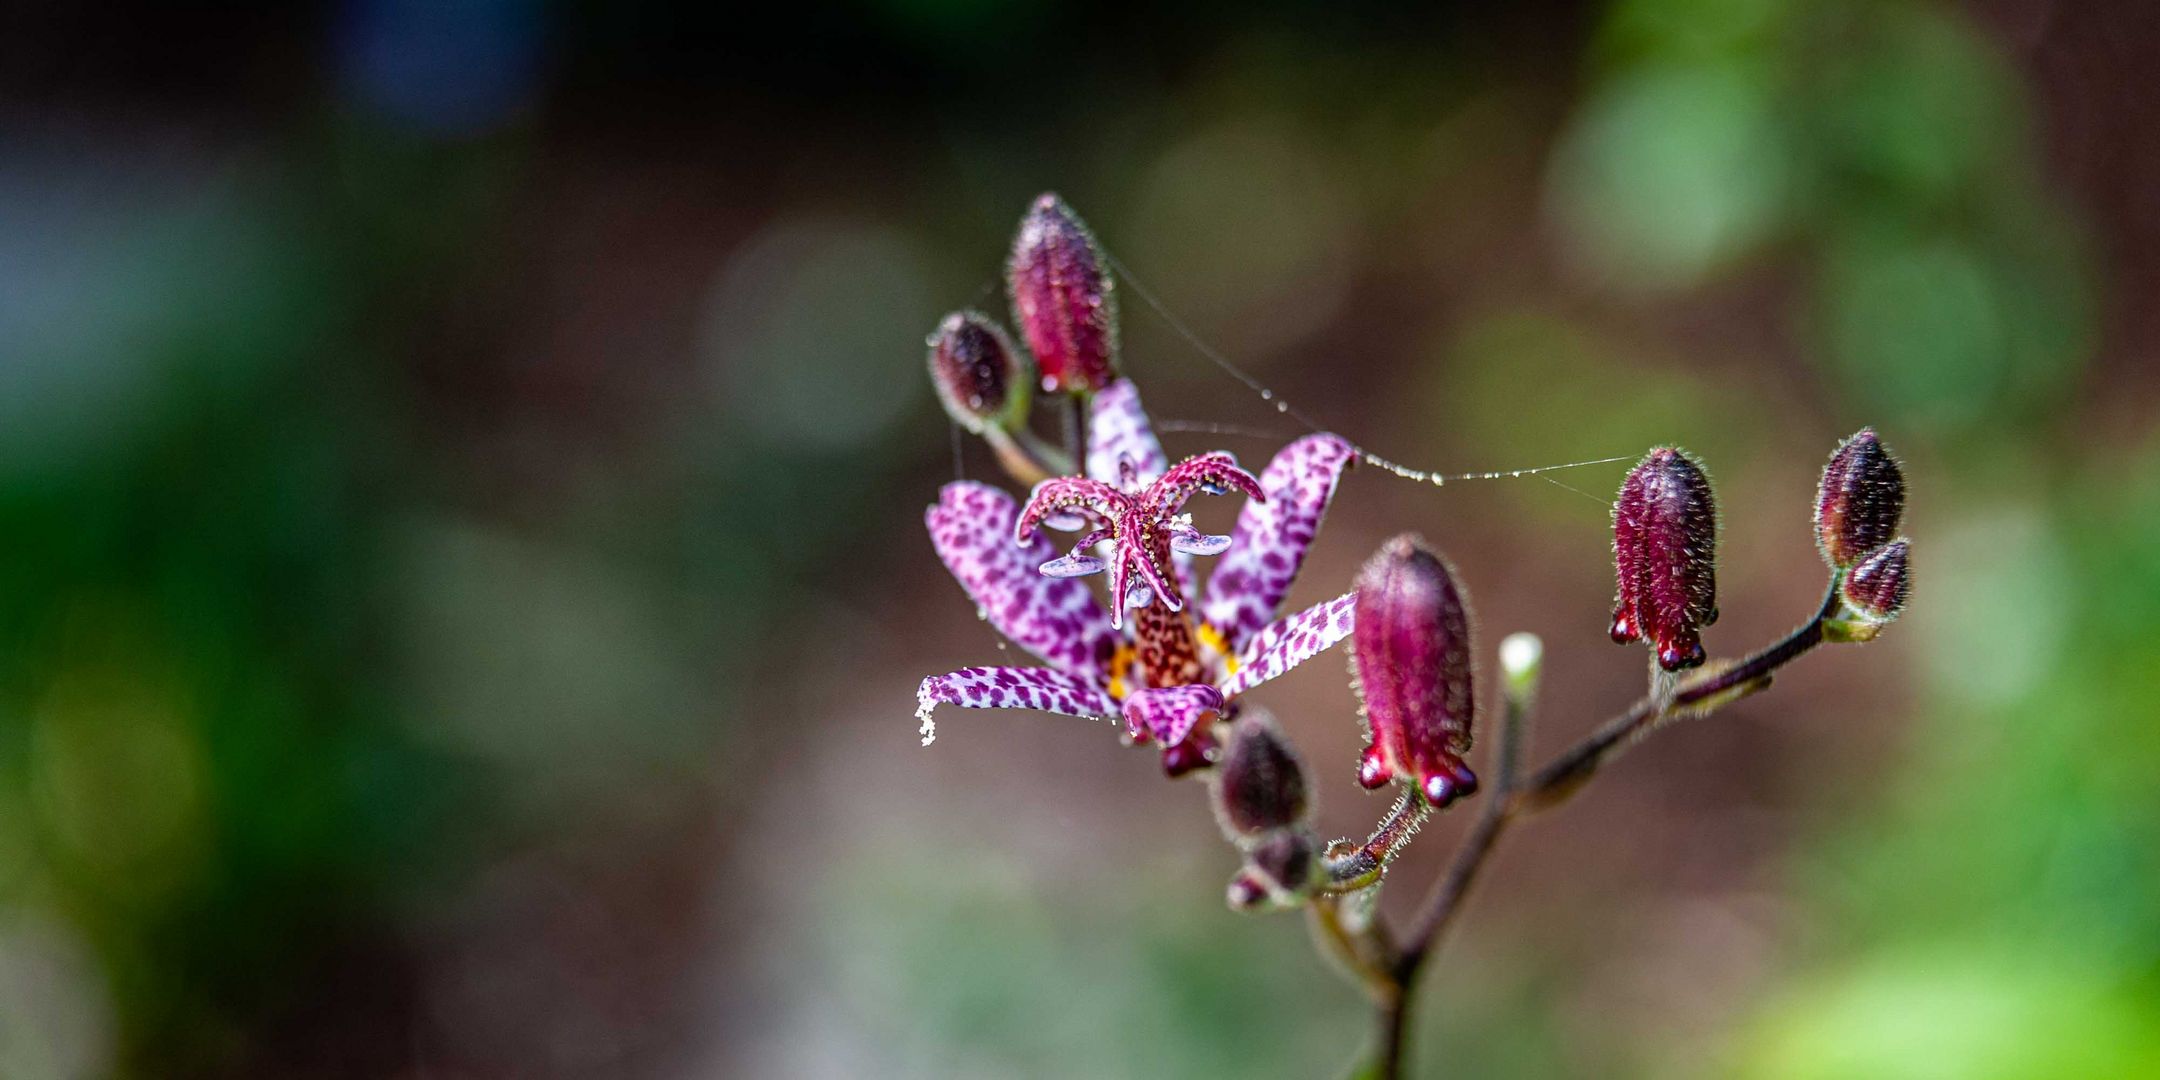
column 1548, row 787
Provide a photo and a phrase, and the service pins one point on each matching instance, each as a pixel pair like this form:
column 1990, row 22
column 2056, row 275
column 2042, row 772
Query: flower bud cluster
column 1261, row 799
column 1062, row 297
column 1858, row 507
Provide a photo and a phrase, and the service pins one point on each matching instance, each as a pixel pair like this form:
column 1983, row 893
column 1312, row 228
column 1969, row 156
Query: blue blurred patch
column 442, row 68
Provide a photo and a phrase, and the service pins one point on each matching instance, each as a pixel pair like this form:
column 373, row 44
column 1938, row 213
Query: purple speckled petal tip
column 1272, row 536
column 1169, row 714
column 1291, row 641
column 1056, row 619
column 1119, row 431
column 1040, row 689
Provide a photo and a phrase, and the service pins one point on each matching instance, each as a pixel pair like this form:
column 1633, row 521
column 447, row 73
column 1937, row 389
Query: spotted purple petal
column 1248, row 586
column 1040, row 689
column 1058, row 620
column 1168, row 715
column 1291, row 641
column 1119, row 432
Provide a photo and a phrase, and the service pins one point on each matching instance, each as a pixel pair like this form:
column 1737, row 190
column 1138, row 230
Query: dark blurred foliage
column 462, row 463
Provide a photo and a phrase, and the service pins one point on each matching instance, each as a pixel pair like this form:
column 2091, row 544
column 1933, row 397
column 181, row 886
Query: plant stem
column 1441, row 905
column 1396, row 829
column 1024, row 457
column 1557, row 779
column 1076, row 430
column 1362, row 955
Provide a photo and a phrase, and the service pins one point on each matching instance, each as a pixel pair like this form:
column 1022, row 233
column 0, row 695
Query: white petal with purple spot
column 1119, row 432
column 1056, row 619
column 1169, row 714
column 1248, row 586
column 1009, row 688
column 1290, row 641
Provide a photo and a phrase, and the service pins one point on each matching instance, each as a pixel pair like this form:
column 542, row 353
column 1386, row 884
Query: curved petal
column 1249, row 585
column 1008, row 688
column 1168, row 715
column 1057, row 619
column 1291, row 641
column 1118, row 430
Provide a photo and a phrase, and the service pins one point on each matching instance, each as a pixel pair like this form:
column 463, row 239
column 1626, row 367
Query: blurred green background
column 461, row 467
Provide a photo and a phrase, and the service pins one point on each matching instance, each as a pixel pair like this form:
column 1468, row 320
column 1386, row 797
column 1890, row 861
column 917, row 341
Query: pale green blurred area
column 463, row 585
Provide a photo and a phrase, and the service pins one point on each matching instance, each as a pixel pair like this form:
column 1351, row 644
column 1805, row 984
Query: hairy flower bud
column 1246, row 891
column 980, row 378
column 1062, row 298
column 1411, row 651
column 1861, row 498
column 1260, row 784
column 1284, row 861
column 1874, row 593
column 1665, row 557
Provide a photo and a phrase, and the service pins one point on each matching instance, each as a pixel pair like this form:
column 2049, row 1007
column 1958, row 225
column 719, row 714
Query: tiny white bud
column 1521, row 654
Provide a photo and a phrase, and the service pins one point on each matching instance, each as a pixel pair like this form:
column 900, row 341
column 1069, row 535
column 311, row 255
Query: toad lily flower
column 1174, row 667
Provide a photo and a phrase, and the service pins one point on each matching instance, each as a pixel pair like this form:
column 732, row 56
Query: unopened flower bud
column 1246, row 891
column 1861, row 498
column 980, row 378
column 1665, row 557
column 1411, row 648
column 1062, row 298
column 1874, row 593
column 1284, row 861
column 1522, row 654
column 1260, row 784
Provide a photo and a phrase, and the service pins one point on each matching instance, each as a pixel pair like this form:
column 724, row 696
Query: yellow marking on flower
column 1121, row 662
column 1213, row 639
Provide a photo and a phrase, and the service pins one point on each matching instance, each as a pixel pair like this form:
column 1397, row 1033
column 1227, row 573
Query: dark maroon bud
column 1876, row 589
column 980, row 378
column 1283, row 861
column 1062, row 298
column 1261, row 784
column 1861, row 498
column 1411, row 651
column 1247, row 891
column 1665, row 557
